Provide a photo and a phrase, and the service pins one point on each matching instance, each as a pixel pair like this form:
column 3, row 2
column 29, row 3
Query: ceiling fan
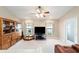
column 41, row 12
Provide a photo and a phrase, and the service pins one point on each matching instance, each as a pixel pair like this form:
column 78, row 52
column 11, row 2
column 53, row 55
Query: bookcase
column 8, row 34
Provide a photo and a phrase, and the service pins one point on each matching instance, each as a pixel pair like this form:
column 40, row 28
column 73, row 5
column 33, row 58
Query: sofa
column 76, row 47
column 66, row 49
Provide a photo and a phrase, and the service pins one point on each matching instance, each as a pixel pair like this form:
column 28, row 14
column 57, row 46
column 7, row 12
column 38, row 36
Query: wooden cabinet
column 18, row 36
column 0, row 42
column 8, row 34
column 6, row 41
column 9, row 40
column 6, row 46
column 13, row 39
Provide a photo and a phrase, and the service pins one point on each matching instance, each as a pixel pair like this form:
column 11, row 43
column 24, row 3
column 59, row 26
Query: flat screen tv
column 39, row 30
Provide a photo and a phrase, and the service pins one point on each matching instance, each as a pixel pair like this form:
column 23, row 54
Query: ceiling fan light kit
column 41, row 12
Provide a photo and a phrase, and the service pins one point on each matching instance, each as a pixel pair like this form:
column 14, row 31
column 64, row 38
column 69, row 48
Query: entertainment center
column 8, row 33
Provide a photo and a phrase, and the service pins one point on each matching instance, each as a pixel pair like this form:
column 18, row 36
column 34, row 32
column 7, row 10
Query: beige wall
column 72, row 13
column 7, row 14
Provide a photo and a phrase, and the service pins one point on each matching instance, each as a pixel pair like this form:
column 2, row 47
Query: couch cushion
column 64, row 49
column 76, row 47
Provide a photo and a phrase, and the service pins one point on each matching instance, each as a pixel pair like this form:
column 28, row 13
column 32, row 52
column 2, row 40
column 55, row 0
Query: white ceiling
column 27, row 12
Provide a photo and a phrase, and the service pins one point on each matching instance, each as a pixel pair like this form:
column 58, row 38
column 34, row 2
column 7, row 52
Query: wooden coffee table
column 28, row 38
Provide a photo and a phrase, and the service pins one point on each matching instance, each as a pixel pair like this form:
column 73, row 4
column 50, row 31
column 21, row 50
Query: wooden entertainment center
column 8, row 33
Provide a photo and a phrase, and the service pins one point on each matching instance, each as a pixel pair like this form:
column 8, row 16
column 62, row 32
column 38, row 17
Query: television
column 39, row 30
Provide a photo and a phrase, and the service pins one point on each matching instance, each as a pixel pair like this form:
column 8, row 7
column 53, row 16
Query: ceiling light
column 41, row 12
column 38, row 11
column 37, row 15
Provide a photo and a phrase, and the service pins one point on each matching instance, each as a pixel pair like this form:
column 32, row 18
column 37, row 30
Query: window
column 49, row 29
column 29, row 29
column 19, row 28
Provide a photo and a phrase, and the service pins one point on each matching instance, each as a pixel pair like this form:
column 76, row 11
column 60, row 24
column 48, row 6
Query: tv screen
column 39, row 30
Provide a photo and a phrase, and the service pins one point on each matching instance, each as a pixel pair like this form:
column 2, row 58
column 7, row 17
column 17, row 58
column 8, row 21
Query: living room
column 38, row 29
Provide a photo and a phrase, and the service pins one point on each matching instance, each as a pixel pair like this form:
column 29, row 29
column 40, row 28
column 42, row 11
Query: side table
column 28, row 38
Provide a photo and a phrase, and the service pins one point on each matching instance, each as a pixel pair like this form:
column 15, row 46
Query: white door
column 70, row 31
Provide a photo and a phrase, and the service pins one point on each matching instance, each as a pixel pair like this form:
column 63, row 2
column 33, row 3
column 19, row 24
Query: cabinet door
column 0, row 42
column 13, row 42
column 14, row 38
column 6, row 41
column 6, row 46
column 18, row 37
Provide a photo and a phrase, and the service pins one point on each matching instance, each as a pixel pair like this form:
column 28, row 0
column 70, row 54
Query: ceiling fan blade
column 47, row 12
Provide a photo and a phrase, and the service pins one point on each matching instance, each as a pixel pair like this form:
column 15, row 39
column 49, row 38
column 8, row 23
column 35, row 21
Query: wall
column 78, row 29
column 7, row 14
column 72, row 13
column 42, row 23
